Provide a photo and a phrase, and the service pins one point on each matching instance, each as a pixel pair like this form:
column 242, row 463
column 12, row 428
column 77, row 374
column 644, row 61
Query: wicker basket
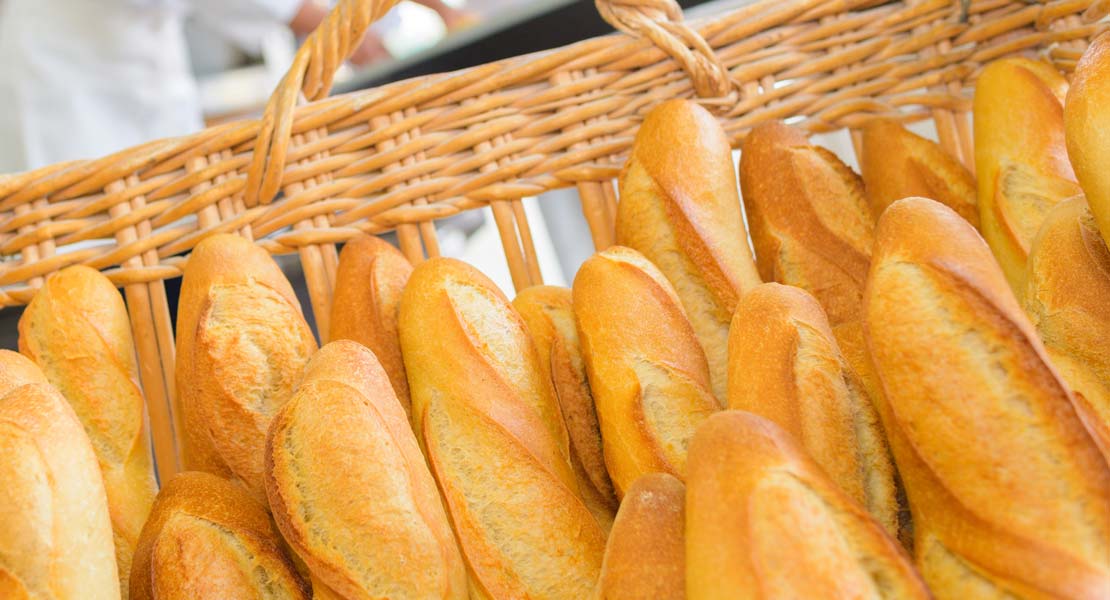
column 309, row 175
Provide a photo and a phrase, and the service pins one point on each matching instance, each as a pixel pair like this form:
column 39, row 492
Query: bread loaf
column 1020, row 156
column 368, row 285
column 55, row 532
column 897, row 163
column 374, row 527
column 645, row 554
column 1068, row 299
column 208, row 538
column 679, row 208
column 549, row 317
column 494, row 438
column 76, row 328
column 785, row 365
column 241, row 344
column 764, row 521
column 1087, row 121
column 1008, row 490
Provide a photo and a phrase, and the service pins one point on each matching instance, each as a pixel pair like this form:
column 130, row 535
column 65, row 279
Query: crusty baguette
column 17, row 370
column 647, row 372
column 1087, row 122
column 241, row 344
column 77, row 329
column 55, row 532
column 645, row 554
column 208, row 538
column 373, row 527
column 368, row 285
column 1068, row 299
column 896, row 163
column 1007, row 488
column 764, row 521
column 495, row 438
column 549, row 317
column 785, row 365
column 679, row 208
column 1020, row 156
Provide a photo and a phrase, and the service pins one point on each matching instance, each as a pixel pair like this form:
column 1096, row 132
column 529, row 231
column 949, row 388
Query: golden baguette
column 373, row 527
column 1008, row 490
column 241, row 344
column 764, row 521
column 1068, row 299
column 549, row 317
column 896, row 163
column 494, row 437
column 785, row 365
column 55, row 532
column 1087, row 121
column 647, row 372
column 1020, row 156
column 679, row 208
column 368, row 285
column 208, row 538
column 645, row 554
column 77, row 329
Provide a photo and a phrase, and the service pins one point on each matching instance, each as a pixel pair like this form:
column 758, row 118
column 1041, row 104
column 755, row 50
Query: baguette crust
column 1020, row 156
column 647, row 372
column 785, row 365
column 1007, row 488
column 645, row 557
column 368, row 285
column 55, row 532
column 208, row 538
column 763, row 521
column 680, row 209
column 1087, row 121
column 489, row 421
column 393, row 539
column 548, row 314
column 77, row 329
column 241, row 344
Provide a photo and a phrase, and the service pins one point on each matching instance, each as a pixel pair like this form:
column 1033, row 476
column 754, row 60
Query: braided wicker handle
column 314, row 66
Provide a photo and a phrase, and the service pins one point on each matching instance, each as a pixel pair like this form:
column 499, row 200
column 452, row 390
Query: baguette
column 1068, row 299
column 241, row 344
column 645, row 554
column 764, row 521
column 55, row 532
column 77, row 329
column 1007, row 489
column 208, row 538
column 549, row 317
column 17, row 370
column 1020, row 156
column 376, row 527
column 785, row 365
column 368, row 285
column 489, row 422
column 679, row 208
column 897, row 163
column 647, row 372
column 1087, row 122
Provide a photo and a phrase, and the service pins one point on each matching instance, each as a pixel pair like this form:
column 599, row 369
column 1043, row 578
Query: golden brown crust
column 208, row 538
column 680, row 209
column 646, row 369
column 17, row 370
column 241, row 344
column 77, row 329
column 488, row 421
column 368, row 285
column 369, row 528
column 645, row 557
column 764, row 521
column 785, row 365
column 983, row 431
column 1087, row 121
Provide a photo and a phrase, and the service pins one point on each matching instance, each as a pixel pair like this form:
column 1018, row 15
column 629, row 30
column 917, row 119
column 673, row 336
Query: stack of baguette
column 873, row 400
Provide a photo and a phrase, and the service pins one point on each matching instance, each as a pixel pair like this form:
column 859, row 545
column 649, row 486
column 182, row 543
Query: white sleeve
column 245, row 22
